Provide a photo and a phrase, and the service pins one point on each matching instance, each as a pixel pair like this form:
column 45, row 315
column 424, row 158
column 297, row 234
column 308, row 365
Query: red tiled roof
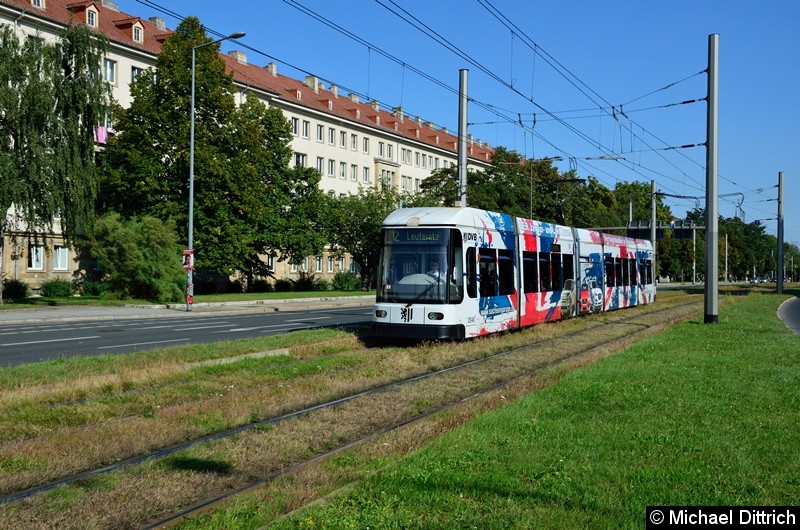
column 67, row 12
column 117, row 27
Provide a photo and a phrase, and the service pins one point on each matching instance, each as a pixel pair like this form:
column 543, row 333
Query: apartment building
column 352, row 143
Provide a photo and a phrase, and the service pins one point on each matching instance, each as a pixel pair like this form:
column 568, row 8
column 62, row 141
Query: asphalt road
column 55, row 338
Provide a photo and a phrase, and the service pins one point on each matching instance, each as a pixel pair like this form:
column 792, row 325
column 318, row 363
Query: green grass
column 698, row 415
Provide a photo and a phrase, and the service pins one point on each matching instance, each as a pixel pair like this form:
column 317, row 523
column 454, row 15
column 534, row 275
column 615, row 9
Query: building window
column 60, row 258
column 135, row 71
column 320, row 133
column 304, row 266
column 306, row 128
column 271, row 263
column 300, row 160
column 365, row 174
column 381, row 149
column 343, row 139
column 38, row 3
column 353, row 142
column 389, row 151
column 342, row 170
column 319, row 264
column 341, row 264
column 293, row 267
column 295, row 126
column 366, row 145
column 416, row 158
column 110, row 71
column 91, row 18
column 320, row 164
column 331, row 136
column 137, row 34
column 354, row 172
column 35, row 258
column 331, row 168
column 330, row 263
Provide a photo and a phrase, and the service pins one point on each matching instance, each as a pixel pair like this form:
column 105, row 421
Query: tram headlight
column 381, row 313
column 435, row 316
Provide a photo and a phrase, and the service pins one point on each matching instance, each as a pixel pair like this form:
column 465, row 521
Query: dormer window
column 91, row 17
column 138, row 33
column 39, row 4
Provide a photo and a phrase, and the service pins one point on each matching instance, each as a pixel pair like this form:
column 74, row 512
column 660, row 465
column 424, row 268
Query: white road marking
column 51, row 340
column 140, row 344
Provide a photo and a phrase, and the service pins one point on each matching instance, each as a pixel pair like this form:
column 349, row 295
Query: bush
column 283, row 285
column 346, row 281
column 90, row 288
column 15, row 289
column 140, row 258
column 306, row 281
column 322, row 285
column 261, row 286
column 57, row 288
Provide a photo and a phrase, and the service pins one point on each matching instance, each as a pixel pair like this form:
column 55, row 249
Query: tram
column 456, row 273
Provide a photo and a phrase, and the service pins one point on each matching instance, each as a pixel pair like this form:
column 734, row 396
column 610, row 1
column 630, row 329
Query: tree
column 355, row 227
column 246, row 197
column 139, row 258
column 52, row 97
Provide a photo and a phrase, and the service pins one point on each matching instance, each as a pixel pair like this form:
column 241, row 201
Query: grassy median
column 698, row 415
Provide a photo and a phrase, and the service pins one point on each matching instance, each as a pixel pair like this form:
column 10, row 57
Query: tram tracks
column 209, row 469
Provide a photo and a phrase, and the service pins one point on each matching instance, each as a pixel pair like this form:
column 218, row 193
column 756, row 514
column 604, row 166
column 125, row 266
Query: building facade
column 353, row 144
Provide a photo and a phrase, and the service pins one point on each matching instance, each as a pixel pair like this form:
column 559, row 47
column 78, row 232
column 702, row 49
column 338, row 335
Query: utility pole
column 780, row 232
column 462, row 138
column 653, row 224
column 712, row 218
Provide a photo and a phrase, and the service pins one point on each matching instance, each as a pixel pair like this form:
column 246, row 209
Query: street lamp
column 189, row 259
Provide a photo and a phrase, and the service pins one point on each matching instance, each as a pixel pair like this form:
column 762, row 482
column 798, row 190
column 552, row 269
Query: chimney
column 158, row 22
column 353, row 97
column 312, row 82
column 469, row 139
column 335, row 91
column 444, row 130
column 375, row 104
column 272, row 68
column 109, row 5
column 398, row 113
column 240, row 56
column 419, row 120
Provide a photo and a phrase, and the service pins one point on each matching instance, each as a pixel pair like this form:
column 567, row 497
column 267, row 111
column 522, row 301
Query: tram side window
column 530, row 273
column 626, row 271
column 618, row 271
column 472, row 274
column 456, row 269
column 488, row 271
column 505, row 274
column 647, row 272
column 544, row 271
column 555, row 268
column 610, row 281
column 568, row 267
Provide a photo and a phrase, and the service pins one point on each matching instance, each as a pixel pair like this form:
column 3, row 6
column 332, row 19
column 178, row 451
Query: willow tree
column 52, row 97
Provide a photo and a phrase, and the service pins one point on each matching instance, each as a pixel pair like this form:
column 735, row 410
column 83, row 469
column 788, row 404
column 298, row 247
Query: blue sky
column 569, row 64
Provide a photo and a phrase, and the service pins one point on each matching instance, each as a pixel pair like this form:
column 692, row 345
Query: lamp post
column 189, row 257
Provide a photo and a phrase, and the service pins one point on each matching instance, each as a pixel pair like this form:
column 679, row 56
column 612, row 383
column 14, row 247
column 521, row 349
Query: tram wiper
column 425, row 292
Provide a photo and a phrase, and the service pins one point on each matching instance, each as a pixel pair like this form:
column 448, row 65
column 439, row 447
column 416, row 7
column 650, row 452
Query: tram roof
column 433, row 215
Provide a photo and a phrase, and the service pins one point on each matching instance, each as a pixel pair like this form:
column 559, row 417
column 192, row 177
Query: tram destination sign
column 416, row 236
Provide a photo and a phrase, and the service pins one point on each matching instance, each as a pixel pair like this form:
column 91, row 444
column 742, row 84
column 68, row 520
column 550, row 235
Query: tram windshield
column 421, row 265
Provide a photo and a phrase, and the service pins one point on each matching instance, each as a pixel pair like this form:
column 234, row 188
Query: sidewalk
column 70, row 313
